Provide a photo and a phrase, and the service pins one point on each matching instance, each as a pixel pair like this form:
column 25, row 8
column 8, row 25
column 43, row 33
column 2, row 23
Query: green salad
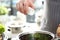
column 39, row 36
column 36, row 36
column 2, row 28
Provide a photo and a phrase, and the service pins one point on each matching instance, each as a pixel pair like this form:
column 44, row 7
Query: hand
column 58, row 31
column 23, row 5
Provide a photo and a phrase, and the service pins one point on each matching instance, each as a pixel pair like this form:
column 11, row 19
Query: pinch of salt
column 31, row 11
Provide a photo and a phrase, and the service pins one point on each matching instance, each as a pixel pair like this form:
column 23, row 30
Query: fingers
column 31, row 4
column 23, row 6
column 27, row 4
column 26, row 7
column 32, row 0
column 19, row 6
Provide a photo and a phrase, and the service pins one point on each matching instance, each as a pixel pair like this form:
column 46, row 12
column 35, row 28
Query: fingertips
column 31, row 4
column 19, row 7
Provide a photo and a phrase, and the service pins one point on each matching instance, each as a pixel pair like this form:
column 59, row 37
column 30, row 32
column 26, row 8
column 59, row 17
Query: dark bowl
column 37, row 35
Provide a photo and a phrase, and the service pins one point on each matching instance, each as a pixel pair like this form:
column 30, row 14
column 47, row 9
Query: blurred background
column 11, row 4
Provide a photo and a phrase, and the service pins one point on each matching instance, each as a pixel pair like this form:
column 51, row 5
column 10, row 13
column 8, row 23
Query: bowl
column 37, row 35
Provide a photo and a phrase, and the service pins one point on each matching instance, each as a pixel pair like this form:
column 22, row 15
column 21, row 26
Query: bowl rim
column 44, row 32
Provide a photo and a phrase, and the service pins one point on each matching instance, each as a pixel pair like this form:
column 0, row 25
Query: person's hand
column 23, row 5
column 58, row 31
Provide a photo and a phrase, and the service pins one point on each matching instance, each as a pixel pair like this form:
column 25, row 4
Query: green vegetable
column 36, row 36
column 3, row 10
column 40, row 36
column 2, row 28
